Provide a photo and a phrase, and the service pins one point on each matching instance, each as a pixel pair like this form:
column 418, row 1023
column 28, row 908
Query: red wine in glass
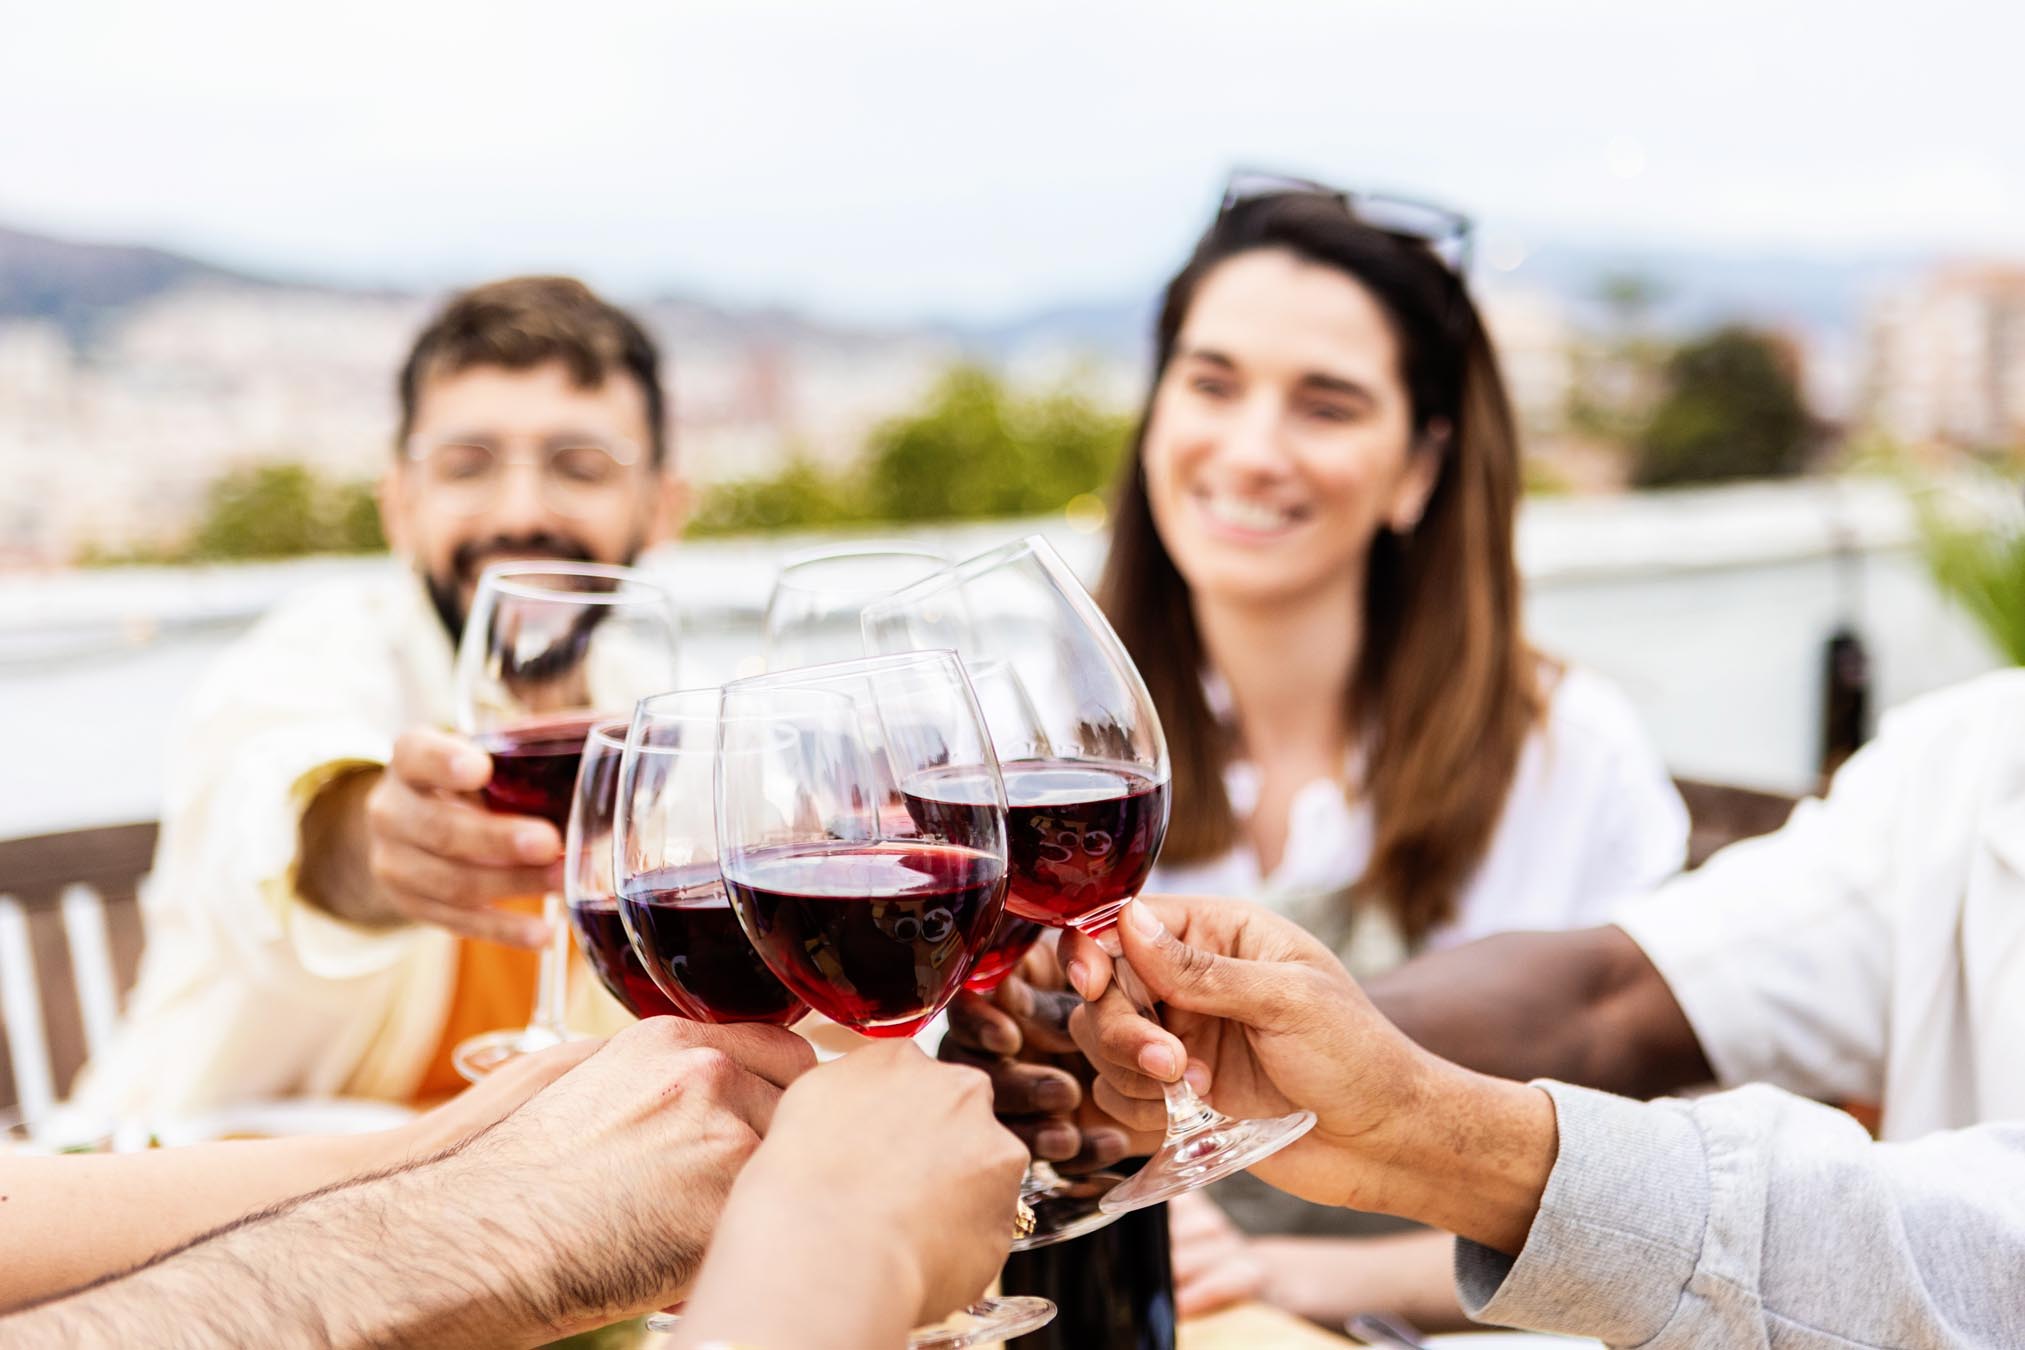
column 534, row 767
column 606, row 946
column 877, row 936
column 1081, row 835
column 699, row 955
column 1002, row 955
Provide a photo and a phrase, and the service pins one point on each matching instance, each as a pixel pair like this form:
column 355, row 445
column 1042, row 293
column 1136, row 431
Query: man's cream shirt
column 1874, row 949
column 246, row 990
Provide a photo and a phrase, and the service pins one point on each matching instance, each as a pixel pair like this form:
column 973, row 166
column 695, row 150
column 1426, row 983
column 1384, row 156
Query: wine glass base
column 480, row 1055
column 1209, row 1153
column 1067, row 1207
column 984, row 1322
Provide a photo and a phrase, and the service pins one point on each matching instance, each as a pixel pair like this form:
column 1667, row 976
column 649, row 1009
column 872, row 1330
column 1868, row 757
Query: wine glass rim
column 663, row 707
column 869, row 548
column 963, row 569
column 825, row 671
column 499, row 577
column 646, row 714
column 605, row 733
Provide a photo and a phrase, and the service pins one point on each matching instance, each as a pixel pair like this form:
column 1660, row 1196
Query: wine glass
column 811, row 618
column 869, row 903
column 1004, row 702
column 550, row 649
column 812, row 613
column 664, row 856
column 1087, row 799
column 592, row 889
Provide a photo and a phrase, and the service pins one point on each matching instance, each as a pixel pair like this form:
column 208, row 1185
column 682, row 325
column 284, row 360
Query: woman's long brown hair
column 1446, row 688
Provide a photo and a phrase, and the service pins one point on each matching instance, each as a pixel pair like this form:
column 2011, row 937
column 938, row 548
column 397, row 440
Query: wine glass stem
column 1186, row 1112
column 551, row 986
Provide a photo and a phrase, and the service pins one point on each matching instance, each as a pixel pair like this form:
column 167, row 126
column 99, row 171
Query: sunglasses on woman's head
column 1449, row 233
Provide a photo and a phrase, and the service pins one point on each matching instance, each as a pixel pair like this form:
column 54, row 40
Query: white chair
column 70, row 938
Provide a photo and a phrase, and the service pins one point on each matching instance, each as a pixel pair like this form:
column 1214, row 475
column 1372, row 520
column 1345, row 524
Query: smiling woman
column 1313, row 567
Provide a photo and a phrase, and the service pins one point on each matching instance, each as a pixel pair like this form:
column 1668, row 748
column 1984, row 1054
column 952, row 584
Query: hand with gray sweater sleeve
column 1755, row 1217
column 1750, row 1218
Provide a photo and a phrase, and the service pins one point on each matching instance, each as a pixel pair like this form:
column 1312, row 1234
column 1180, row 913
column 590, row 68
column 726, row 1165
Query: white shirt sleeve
column 297, row 702
column 1753, row 1218
column 1779, row 949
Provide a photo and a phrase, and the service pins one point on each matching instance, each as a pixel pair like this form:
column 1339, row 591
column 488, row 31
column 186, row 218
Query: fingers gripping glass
column 1084, row 768
column 1450, row 233
column 578, row 475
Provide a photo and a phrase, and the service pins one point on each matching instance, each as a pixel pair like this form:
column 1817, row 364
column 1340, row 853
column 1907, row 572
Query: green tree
column 267, row 511
column 802, row 494
column 973, row 449
column 1732, row 409
column 976, row 449
column 355, row 520
column 283, row 511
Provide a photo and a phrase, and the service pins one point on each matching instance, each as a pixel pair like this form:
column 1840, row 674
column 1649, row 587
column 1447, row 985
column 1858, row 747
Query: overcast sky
column 873, row 158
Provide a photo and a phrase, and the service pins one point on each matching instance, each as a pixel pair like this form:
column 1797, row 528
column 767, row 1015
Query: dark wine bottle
column 1114, row 1287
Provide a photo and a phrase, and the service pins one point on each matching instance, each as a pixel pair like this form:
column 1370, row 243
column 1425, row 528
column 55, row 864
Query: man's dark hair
column 530, row 321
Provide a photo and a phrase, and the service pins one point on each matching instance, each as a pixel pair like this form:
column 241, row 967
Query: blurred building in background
column 1946, row 359
column 115, row 422
column 133, row 381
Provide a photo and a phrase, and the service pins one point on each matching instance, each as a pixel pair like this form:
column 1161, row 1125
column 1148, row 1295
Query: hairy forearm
column 334, row 874
column 143, row 1203
column 468, row 1250
column 1466, row 1153
column 1583, row 1007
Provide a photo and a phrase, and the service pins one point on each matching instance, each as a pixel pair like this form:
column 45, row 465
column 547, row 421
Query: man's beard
column 446, row 588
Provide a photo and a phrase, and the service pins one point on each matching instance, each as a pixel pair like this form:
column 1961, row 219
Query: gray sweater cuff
column 1619, row 1230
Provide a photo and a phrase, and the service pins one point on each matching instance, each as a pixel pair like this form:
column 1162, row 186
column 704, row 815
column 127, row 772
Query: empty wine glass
column 1087, row 794
column 550, row 649
column 812, row 613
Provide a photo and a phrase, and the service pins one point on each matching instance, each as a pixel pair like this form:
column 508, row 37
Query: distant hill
column 1122, row 328
column 1695, row 290
column 80, row 284
column 76, row 283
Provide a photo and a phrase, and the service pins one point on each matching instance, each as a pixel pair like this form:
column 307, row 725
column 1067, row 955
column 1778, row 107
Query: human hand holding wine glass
column 437, row 854
column 548, row 649
column 1086, row 784
column 869, row 900
column 1275, row 1020
column 873, row 1236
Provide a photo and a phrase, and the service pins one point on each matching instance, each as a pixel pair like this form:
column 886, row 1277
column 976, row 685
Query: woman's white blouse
column 1592, row 818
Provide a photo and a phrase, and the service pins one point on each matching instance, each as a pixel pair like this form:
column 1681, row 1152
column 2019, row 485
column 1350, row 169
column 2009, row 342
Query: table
column 1256, row 1326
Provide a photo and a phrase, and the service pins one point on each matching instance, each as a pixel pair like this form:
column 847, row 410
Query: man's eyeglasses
column 579, row 475
column 1450, row 234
